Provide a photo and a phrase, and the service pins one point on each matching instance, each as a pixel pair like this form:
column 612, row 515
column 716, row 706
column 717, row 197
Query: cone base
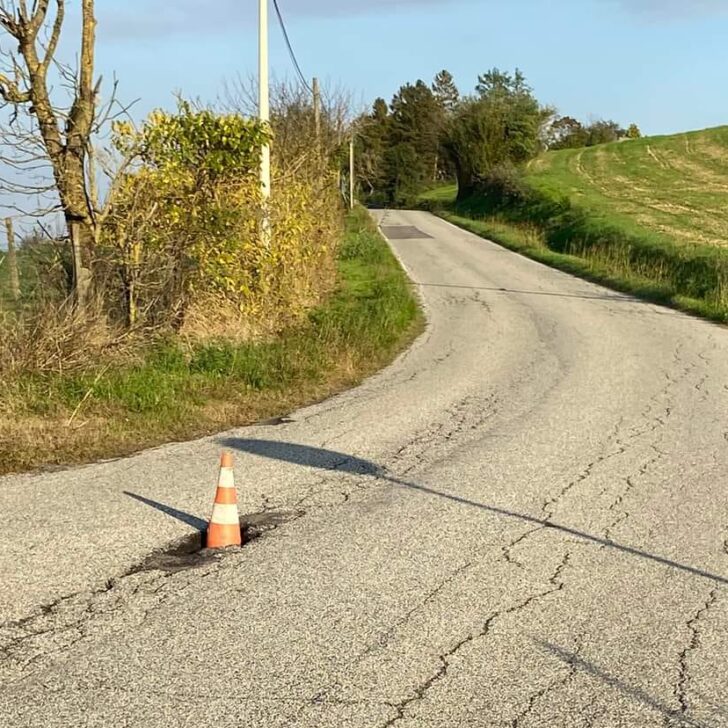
column 220, row 536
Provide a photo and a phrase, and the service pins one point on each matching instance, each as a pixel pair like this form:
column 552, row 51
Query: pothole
column 191, row 553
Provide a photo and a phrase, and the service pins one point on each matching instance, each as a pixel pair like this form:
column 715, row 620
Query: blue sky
column 660, row 63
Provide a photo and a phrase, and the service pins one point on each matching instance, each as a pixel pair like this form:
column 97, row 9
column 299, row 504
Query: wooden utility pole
column 351, row 172
column 12, row 261
column 317, row 110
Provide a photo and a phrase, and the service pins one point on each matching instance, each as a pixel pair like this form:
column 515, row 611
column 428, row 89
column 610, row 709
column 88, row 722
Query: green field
column 673, row 186
column 645, row 216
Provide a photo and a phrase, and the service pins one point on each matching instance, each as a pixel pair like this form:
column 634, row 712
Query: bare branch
column 81, row 115
column 111, row 110
column 9, row 22
column 55, row 35
column 10, row 92
column 40, row 10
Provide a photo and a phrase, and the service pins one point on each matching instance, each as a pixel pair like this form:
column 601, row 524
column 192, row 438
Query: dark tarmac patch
column 191, row 553
column 404, row 232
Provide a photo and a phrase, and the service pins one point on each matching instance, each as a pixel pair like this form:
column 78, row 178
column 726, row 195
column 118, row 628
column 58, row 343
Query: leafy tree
column 604, row 132
column 634, row 132
column 407, row 174
column 566, row 133
column 448, row 97
column 372, row 140
column 500, row 84
column 380, row 110
column 502, row 126
column 188, row 208
column 445, row 90
column 415, row 126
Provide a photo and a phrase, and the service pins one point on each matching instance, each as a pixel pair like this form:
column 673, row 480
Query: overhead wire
column 289, row 45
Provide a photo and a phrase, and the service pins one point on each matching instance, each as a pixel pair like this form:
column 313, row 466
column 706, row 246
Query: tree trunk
column 67, row 151
column 12, row 261
column 82, row 271
column 74, row 199
column 465, row 181
column 66, row 135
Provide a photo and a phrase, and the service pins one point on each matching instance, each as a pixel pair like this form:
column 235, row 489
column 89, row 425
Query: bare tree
column 57, row 132
column 299, row 142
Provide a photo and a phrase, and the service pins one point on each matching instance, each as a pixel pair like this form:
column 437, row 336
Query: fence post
column 12, row 261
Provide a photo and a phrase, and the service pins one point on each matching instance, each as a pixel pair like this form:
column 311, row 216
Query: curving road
column 523, row 522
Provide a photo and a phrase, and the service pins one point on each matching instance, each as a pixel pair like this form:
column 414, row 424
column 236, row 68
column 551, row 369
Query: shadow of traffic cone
column 224, row 528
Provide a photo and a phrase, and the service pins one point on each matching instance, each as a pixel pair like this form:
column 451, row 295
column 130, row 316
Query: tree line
column 429, row 133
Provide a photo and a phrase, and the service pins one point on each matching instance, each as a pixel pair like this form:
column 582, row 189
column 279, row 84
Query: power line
column 291, row 52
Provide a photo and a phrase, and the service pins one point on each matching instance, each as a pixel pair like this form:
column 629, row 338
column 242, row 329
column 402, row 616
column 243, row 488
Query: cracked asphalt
column 523, row 522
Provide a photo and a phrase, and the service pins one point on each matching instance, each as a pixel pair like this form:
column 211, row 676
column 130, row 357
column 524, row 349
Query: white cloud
column 161, row 17
column 673, row 8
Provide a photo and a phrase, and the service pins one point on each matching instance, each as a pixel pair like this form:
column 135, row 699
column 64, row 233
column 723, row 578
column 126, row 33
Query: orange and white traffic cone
column 224, row 528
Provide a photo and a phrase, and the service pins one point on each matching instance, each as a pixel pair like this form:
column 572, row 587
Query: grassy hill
column 647, row 216
column 674, row 186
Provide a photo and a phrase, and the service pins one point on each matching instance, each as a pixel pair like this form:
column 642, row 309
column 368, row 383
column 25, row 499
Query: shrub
column 182, row 249
column 187, row 234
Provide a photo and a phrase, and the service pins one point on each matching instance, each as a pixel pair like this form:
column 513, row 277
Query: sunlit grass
column 644, row 216
column 176, row 393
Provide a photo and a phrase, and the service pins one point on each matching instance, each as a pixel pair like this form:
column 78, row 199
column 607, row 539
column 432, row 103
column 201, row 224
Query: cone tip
column 226, row 459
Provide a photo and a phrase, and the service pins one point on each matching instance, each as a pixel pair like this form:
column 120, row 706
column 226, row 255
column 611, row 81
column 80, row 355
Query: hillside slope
column 673, row 186
column 644, row 216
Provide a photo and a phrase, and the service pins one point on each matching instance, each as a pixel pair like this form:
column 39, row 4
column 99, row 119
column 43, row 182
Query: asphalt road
column 523, row 522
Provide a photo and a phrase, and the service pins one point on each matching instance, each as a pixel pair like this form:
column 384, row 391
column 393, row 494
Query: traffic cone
column 224, row 528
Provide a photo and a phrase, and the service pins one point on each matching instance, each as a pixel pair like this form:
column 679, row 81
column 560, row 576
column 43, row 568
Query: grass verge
column 551, row 230
column 177, row 394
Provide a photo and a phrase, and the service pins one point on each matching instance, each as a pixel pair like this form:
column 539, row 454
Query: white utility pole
column 264, row 95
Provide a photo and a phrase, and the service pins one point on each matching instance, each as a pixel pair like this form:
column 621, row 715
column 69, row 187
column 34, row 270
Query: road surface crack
column 385, row 638
column 322, row 696
column 400, row 708
column 560, row 682
column 683, row 680
column 466, row 416
column 508, row 548
column 654, row 418
column 631, row 484
column 60, row 625
column 548, row 509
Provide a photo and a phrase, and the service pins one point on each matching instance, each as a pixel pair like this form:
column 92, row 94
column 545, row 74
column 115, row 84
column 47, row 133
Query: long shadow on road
column 641, row 696
column 198, row 524
column 322, row 459
column 651, row 307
